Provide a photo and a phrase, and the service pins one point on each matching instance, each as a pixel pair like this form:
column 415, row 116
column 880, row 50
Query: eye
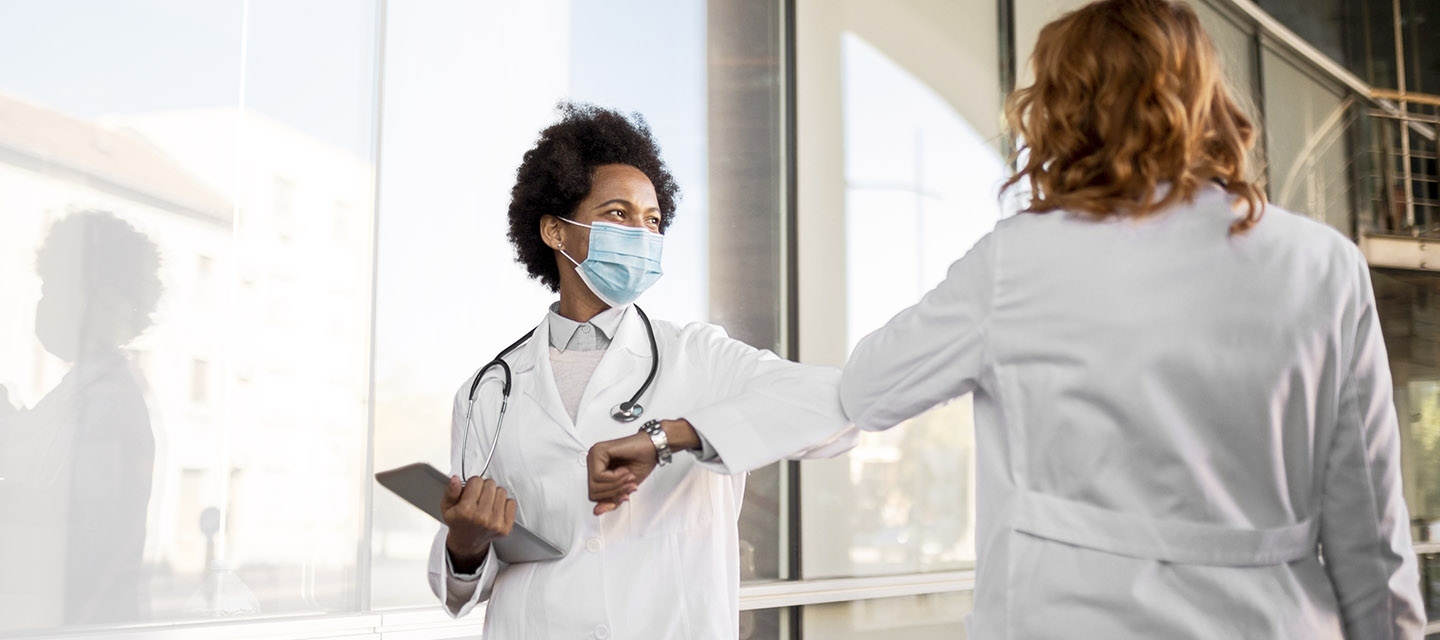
column 620, row 213
column 653, row 221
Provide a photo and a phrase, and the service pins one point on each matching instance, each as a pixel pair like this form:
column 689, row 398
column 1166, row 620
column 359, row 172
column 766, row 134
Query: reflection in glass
column 1430, row 584
column 922, row 617
column 213, row 437
column 1306, row 142
column 1235, row 46
column 765, row 624
column 1409, row 308
column 77, row 466
column 922, row 170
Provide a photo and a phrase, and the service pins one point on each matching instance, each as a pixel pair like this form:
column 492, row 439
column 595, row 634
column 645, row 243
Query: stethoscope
column 627, row 411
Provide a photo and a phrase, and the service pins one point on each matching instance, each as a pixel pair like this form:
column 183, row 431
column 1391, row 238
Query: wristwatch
column 657, row 437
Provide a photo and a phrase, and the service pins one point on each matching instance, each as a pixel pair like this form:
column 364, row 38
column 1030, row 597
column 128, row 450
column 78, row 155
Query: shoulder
column 692, row 332
column 1023, row 230
column 1305, row 238
column 1300, row 227
column 517, row 360
column 705, row 340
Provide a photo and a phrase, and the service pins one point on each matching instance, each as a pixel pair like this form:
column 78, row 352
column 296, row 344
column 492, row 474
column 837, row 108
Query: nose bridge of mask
column 618, row 240
column 632, row 245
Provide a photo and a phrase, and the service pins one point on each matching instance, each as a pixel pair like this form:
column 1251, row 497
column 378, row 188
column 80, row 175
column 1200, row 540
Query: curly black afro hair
column 556, row 174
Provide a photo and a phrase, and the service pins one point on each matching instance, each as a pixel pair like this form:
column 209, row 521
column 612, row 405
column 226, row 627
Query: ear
column 550, row 232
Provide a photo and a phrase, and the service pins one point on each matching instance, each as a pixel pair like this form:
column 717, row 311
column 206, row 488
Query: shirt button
column 593, row 545
column 585, row 328
column 602, row 632
column 582, row 460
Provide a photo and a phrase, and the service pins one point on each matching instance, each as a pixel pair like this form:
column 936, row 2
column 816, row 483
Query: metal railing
column 1402, row 173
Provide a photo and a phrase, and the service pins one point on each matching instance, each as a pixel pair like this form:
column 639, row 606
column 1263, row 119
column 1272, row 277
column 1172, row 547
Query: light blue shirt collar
column 595, row 335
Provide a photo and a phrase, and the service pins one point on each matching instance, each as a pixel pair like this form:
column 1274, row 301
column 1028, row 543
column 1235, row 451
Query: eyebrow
column 626, row 203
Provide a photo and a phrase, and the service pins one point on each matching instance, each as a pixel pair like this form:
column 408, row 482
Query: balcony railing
column 1401, row 169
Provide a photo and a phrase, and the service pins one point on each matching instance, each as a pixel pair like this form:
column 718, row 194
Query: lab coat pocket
column 674, row 498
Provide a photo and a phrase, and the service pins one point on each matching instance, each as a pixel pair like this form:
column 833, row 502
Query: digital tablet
column 424, row 486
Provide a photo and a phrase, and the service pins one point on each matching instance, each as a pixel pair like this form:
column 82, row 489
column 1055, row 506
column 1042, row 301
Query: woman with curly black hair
column 591, row 203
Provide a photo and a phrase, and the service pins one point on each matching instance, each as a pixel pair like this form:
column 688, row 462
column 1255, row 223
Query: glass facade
column 187, row 261
column 252, row 247
column 1305, row 133
column 1409, row 307
column 931, row 616
column 922, row 159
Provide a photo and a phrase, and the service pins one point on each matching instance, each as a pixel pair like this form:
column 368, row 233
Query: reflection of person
column 77, row 466
column 588, row 210
column 1179, row 391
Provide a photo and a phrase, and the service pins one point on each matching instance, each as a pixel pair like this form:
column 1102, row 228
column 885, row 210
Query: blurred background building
column 317, row 192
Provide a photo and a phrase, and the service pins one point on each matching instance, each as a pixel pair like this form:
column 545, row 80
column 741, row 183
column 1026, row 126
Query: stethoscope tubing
column 626, row 411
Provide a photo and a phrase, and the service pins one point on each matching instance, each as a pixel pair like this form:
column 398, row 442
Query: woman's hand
column 617, row 467
column 477, row 513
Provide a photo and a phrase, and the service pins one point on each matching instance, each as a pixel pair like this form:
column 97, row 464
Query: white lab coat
column 1168, row 420
column 666, row 563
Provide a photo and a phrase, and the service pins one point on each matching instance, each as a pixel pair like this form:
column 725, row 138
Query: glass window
column 918, row 114
column 1030, row 17
column 460, row 112
column 766, row 624
column 1409, row 307
column 922, row 617
column 146, row 475
column 1234, row 40
column 1430, row 584
column 1305, row 125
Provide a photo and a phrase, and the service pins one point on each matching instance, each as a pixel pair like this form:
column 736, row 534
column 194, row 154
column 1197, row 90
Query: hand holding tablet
column 478, row 513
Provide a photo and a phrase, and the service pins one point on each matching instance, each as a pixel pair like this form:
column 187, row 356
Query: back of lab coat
column 1171, row 423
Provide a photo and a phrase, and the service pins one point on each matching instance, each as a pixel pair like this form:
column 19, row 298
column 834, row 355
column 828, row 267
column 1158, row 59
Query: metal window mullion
column 790, row 472
column 364, row 568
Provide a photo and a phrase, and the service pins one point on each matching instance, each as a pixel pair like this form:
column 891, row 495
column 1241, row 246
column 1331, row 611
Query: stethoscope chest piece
column 627, row 411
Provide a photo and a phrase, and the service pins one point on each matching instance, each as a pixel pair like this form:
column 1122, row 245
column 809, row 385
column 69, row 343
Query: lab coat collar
column 621, row 370
column 620, row 373
column 537, row 348
column 535, row 356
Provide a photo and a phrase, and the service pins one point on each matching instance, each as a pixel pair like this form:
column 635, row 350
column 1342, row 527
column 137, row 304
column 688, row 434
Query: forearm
column 681, row 435
column 777, row 416
column 466, row 563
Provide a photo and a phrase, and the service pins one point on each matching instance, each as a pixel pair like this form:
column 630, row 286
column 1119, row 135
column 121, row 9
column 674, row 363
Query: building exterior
column 326, row 188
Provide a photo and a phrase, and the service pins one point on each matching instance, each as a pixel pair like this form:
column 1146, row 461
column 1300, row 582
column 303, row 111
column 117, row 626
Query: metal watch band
column 658, row 438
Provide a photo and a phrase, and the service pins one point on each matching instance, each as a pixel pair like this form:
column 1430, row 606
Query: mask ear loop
column 560, row 245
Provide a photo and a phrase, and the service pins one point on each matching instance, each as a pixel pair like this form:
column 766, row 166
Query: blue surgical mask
column 623, row 261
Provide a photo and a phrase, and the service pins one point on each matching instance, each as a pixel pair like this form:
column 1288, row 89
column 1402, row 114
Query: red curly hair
column 1129, row 94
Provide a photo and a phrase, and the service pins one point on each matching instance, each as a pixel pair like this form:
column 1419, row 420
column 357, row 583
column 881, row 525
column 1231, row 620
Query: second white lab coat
column 1168, row 420
column 666, row 563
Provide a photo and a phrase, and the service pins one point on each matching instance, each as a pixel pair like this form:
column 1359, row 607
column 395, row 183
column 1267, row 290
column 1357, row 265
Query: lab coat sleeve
column 764, row 408
column 442, row 579
column 1364, row 524
column 451, row 589
column 927, row 354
